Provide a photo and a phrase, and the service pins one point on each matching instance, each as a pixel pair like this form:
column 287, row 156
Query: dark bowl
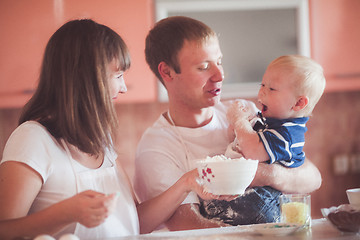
column 344, row 217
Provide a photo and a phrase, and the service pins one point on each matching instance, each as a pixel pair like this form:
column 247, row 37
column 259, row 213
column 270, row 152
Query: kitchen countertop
column 320, row 229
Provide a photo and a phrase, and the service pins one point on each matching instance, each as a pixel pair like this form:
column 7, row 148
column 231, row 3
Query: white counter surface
column 321, row 229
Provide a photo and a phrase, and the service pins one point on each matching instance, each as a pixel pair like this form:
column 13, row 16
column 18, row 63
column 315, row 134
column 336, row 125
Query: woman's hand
column 90, row 208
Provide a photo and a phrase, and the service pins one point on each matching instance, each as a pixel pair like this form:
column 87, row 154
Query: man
column 185, row 55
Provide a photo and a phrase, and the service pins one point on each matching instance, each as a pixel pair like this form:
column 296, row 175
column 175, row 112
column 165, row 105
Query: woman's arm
column 303, row 179
column 19, row 186
column 160, row 209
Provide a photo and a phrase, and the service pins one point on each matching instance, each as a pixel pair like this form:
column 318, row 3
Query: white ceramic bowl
column 223, row 176
column 354, row 197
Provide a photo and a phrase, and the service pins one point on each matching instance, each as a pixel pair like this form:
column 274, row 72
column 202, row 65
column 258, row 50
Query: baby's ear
column 301, row 103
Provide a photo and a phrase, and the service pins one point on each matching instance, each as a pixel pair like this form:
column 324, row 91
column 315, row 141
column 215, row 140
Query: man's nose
column 218, row 74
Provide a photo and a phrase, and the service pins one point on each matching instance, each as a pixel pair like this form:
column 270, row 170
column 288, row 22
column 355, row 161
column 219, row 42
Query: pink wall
column 335, row 37
column 26, row 26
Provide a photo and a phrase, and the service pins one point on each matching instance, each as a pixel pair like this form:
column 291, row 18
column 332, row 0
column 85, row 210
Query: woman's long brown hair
column 72, row 99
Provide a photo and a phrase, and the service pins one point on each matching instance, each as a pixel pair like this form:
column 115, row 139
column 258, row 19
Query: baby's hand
column 236, row 112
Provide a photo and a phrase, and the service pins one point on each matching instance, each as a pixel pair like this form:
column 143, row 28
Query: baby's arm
column 249, row 143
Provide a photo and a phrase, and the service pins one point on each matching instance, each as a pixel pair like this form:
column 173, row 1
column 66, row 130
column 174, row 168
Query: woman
column 58, row 173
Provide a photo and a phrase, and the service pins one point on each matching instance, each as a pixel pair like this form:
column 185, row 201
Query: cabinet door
column 26, row 26
column 335, row 36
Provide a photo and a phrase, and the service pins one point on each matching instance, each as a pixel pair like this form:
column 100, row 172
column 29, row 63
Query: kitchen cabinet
column 335, row 37
column 26, row 26
column 251, row 34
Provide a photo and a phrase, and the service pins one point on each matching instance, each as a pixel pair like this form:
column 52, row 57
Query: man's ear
column 165, row 71
column 301, row 103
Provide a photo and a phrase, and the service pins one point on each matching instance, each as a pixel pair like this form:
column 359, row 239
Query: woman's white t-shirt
column 33, row 145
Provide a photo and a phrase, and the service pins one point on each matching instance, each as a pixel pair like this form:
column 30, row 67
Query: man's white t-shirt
column 166, row 152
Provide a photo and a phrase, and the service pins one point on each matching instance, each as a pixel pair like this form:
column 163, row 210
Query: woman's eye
column 120, row 75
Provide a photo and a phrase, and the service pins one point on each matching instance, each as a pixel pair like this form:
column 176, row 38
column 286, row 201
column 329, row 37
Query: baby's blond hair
column 307, row 76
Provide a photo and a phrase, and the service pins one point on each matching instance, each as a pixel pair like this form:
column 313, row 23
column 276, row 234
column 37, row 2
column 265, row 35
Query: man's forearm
column 187, row 216
column 303, row 179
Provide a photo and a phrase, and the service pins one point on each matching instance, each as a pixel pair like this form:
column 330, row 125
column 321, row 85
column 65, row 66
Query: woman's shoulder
column 31, row 132
column 30, row 137
column 31, row 127
column 31, row 144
